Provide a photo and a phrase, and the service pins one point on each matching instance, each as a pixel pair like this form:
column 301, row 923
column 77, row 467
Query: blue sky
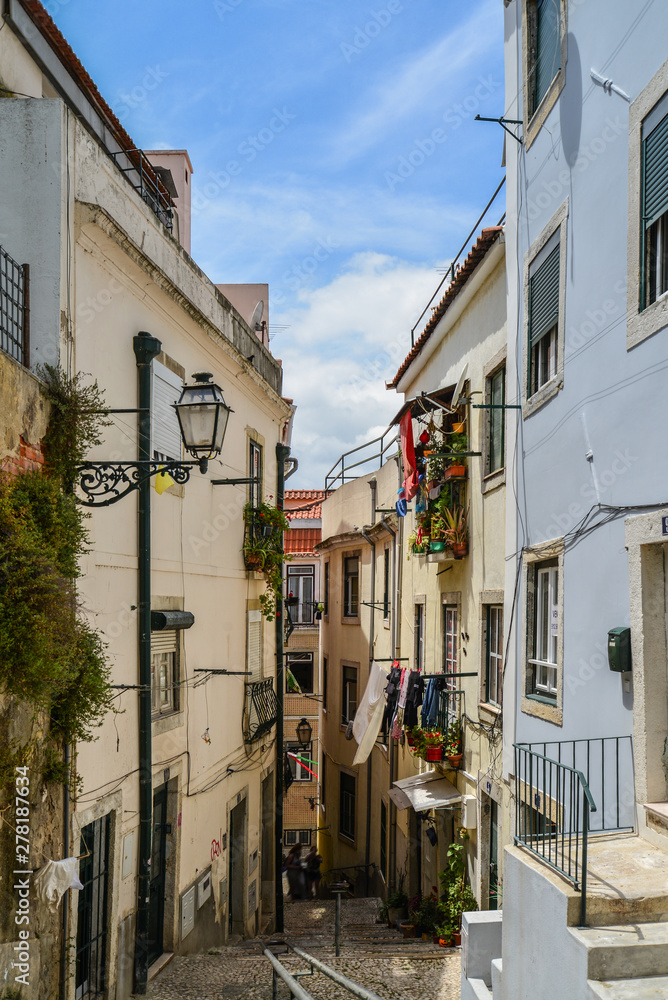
column 335, row 157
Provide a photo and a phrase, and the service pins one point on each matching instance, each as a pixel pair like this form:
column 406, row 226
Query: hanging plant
column 263, row 552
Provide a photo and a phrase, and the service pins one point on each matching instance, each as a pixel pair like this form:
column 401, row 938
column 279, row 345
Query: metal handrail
column 298, row 991
column 552, row 806
column 377, row 456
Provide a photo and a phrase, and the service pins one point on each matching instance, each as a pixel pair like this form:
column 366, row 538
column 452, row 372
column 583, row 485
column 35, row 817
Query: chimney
column 176, row 163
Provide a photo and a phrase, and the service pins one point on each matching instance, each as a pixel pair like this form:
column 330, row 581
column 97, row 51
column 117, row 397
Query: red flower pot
column 455, row 471
column 460, row 549
column 410, row 739
column 434, row 753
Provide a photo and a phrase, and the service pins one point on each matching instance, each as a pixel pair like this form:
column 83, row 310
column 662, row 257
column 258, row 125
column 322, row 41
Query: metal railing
column 262, row 708
column 554, row 801
column 146, row 181
column 341, row 470
column 449, row 708
column 298, row 991
column 14, row 308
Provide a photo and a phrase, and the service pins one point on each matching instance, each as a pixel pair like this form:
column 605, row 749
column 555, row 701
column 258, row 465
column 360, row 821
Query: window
column 654, row 138
column 383, row 840
column 14, row 298
column 164, row 673
column 494, row 655
column 165, row 433
column 544, row 48
column 543, row 315
column 254, row 646
column 300, row 583
column 324, row 683
column 348, row 695
column 418, row 637
column 351, row 571
column 347, row 805
column 326, row 588
column 545, row 631
column 497, row 421
column 386, row 584
column 298, row 772
column 292, row 837
column 255, row 473
column 299, row 673
column 450, row 642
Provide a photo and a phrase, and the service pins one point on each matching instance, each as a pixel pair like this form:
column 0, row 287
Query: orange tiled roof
column 477, row 252
column 304, row 498
column 301, row 541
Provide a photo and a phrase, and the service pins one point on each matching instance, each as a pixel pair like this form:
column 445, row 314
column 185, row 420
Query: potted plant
column 457, row 445
column 263, row 551
column 433, row 740
column 395, row 905
column 453, row 743
column 418, row 540
column 457, row 894
column 429, row 914
column 456, row 533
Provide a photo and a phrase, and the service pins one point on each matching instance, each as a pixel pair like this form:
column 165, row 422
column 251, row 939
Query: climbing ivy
column 50, row 657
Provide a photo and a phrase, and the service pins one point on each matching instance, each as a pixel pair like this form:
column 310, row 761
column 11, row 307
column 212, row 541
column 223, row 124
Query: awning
column 424, row 791
column 426, row 402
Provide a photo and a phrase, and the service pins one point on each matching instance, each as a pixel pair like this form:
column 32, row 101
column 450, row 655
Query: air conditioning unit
column 469, row 812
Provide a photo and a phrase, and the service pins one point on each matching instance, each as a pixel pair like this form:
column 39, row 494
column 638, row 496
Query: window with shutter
column 254, row 647
column 545, row 48
column 543, row 314
column 164, row 672
column 165, row 433
column 654, row 200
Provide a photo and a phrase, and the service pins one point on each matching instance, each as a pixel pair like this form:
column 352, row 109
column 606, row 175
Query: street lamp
column 203, row 416
column 304, row 732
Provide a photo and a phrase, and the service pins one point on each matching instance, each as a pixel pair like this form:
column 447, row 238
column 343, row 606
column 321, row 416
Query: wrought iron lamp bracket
column 104, row 483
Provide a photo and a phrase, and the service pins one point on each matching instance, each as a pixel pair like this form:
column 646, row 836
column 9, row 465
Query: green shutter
column 655, row 179
column 544, row 297
column 548, row 47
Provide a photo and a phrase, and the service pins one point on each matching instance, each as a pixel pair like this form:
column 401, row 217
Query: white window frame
column 494, row 655
column 543, row 646
column 546, row 630
column 301, row 657
column 348, row 613
column 348, row 704
column 300, row 773
column 298, row 575
column 419, row 621
column 292, row 837
column 451, row 630
column 164, row 654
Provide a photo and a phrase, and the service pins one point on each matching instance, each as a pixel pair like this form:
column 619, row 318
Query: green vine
column 50, row 657
column 263, row 552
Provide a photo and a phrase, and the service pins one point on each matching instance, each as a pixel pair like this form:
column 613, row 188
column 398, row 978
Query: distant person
column 296, row 875
column 313, row 862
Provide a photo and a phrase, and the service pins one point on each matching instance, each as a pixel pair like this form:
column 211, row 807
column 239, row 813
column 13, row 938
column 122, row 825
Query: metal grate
column 92, row 923
column 262, row 709
column 14, row 300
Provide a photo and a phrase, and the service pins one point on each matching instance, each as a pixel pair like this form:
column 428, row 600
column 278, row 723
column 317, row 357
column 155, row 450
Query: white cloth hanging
column 53, row 880
column 369, row 714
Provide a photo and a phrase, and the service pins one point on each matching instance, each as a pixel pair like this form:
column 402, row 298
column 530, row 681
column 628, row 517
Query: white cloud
column 343, row 341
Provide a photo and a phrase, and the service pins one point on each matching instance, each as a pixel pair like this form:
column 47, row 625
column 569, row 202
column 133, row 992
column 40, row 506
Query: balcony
column 146, row 180
column 261, row 709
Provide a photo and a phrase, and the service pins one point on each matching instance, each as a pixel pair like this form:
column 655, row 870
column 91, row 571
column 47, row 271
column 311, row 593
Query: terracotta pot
column 460, row 549
column 407, row 928
column 457, row 938
column 434, row 753
column 454, row 471
column 455, row 760
column 252, row 561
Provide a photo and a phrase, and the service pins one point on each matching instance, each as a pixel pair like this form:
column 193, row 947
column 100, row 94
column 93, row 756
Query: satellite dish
column 257, row 316
column 460, row 385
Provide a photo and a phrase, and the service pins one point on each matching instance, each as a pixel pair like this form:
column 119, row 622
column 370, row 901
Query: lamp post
column 202, row 414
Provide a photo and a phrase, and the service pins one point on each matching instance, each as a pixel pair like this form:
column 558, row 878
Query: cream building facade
column 96, row 223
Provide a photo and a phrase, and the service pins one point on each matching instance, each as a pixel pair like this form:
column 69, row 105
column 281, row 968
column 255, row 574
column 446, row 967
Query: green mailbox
column 619, row 649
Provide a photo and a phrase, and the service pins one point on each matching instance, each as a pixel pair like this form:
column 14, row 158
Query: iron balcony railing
column 554, row 803
column 450, row 707
column 14, row 308
column 261, row 708
column 144, row 178
column 374, row 454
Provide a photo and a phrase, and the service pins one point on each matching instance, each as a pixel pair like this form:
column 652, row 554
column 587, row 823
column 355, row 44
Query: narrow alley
column 371, row 954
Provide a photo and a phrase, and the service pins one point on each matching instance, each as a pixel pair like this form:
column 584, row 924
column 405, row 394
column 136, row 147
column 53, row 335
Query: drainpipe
column 372, row 625
column 146, row 348
column 282, row 455
column 390, row 747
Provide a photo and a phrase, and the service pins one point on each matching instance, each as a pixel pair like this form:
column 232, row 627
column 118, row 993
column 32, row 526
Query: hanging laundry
column 53, row 880
column 399, row 717
column 392, row 693
column 430, row 704
column 413, row 699
column 411, row 478
column 401, row 505
column 369, row 714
